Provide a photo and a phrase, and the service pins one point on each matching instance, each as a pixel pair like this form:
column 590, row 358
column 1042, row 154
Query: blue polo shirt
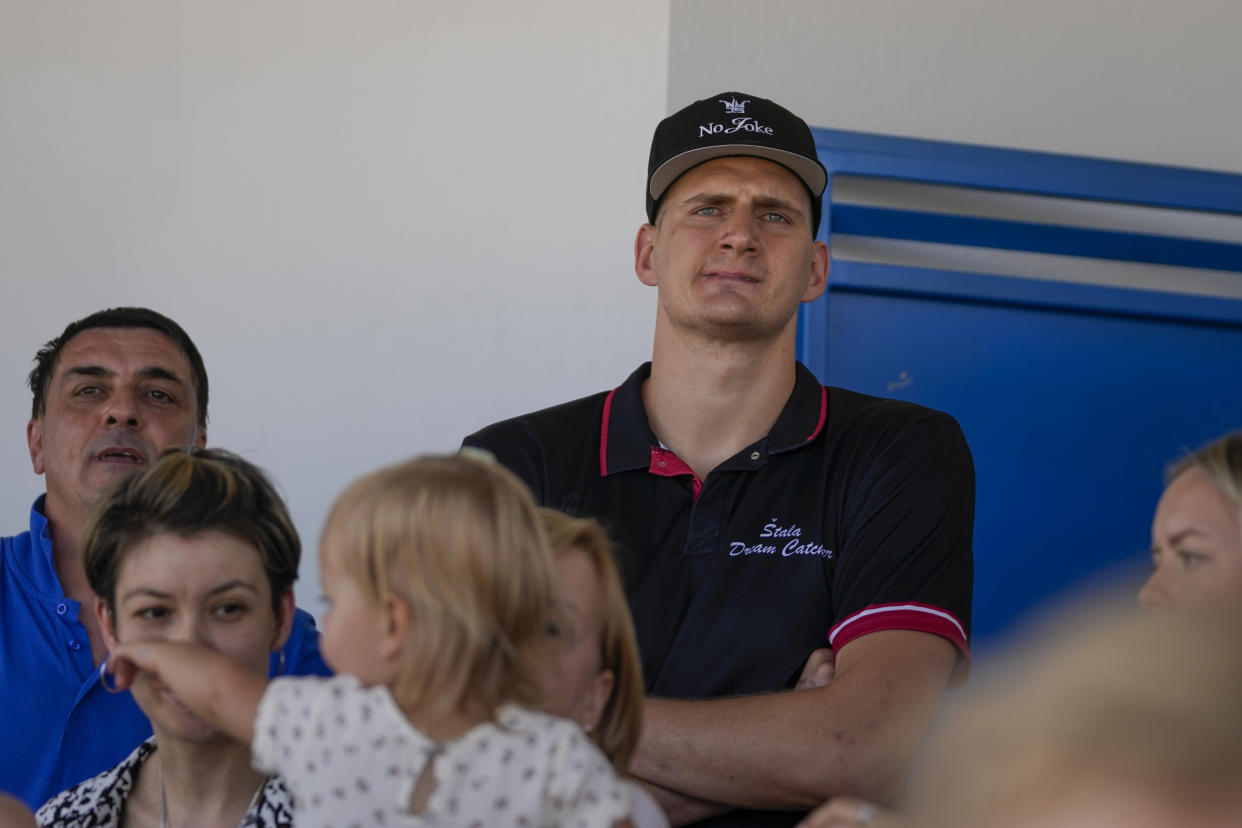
column 59, row 725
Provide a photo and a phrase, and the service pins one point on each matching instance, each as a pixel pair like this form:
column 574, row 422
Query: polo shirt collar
column 627, row 441
column 39, row 567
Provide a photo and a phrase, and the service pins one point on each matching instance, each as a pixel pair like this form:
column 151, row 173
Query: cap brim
column 811, row 173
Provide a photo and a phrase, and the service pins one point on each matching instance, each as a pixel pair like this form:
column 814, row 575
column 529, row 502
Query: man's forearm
column 794, row 749
column 681, row 809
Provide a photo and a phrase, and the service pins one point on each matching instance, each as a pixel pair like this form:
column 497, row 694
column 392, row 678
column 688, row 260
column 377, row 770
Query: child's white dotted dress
column 351, row 758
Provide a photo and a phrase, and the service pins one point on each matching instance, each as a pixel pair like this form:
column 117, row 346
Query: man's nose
column 739, row 231
column 123, row 409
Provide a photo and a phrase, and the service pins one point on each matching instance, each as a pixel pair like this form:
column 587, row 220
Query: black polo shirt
column 853, row 515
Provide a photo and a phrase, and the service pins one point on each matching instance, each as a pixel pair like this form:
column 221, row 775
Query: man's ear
column 644, row 247
column 601, row 692
column 284, row 619
column 819, row 272
column 200, row 440
column 34, row 442
column 395, row 623
column 107, row 623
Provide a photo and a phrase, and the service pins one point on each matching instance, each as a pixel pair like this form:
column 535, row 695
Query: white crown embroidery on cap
column 733, row 107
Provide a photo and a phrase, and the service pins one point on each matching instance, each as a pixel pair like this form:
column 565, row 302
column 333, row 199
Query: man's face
column 732, row 251
column 117, row 399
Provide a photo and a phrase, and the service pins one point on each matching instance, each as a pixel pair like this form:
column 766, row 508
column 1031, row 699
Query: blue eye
column 1190, row 559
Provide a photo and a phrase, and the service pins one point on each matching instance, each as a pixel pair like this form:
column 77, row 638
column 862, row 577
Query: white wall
column 1142, row 80
column 385, row 224
column 390, row 222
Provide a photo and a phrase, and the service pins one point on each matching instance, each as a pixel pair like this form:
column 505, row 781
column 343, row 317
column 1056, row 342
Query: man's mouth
column 123, row 456
column 732, row 276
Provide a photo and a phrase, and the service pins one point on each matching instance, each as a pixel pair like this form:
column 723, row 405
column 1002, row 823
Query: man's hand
column 819, row 669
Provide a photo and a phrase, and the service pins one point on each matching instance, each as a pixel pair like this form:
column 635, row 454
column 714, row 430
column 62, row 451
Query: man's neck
column 706, row 402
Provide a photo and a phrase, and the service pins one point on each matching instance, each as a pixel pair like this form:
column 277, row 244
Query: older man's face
column 117, row 399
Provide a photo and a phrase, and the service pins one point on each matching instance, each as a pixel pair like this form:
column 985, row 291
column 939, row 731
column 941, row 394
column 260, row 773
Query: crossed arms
column 795, row 749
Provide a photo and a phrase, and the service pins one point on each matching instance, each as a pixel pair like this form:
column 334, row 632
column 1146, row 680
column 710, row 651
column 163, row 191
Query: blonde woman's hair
column 1220, row 461
column 621, row 721
column 1107, row 701
column 458, row 539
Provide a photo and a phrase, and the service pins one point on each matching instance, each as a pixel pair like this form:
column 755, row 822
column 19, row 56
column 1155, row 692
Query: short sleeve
column 906, row 560
column 586, row 790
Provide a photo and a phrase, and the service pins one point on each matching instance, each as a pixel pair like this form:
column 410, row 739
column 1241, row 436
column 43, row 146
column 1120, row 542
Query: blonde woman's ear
column 601, row 692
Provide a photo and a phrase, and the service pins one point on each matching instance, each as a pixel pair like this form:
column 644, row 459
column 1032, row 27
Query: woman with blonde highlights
column 197, row 551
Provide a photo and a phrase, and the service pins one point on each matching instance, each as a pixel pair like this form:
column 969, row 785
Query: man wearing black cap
column 760, row 514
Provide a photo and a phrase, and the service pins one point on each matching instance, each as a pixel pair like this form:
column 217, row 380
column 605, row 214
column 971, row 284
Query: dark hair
column 49, row 355
column 186, row 491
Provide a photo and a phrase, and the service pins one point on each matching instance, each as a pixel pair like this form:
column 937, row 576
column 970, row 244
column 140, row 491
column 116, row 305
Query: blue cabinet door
column 1071, row 416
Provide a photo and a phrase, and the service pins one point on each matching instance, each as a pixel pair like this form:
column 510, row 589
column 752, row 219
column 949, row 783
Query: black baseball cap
column 733, row 123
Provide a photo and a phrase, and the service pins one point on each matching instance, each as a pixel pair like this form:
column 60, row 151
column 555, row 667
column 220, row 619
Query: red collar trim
column 603, row 433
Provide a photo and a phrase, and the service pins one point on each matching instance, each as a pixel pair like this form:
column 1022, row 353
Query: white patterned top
column 350, row 758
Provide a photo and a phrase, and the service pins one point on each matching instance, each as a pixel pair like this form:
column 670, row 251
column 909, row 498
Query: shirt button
column 754, row 455
column 62, row 608
column 74, row 645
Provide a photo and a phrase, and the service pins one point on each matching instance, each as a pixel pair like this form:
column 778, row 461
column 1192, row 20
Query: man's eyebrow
column 772, row 202
column 150, row 372
column 87, row 371
column 156, row 372
column 709, row 199
column 761, row 202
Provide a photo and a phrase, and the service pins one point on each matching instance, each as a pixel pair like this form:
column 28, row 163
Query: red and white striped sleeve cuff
column 920, row 617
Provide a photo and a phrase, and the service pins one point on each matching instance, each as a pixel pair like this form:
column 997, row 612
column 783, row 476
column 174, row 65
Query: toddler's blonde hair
column 459, row 540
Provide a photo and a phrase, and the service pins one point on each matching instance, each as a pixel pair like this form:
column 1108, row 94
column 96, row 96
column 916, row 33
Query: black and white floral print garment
column 99, row 802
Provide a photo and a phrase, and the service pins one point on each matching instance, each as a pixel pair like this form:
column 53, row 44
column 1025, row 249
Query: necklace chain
column 254, row 798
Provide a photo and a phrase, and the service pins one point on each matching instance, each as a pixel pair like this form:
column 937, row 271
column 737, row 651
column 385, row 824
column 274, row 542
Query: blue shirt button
column 74, row 645
column 62, row 608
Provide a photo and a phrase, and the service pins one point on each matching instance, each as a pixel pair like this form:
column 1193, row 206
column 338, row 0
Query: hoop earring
column 280, row 662
column 103, row 678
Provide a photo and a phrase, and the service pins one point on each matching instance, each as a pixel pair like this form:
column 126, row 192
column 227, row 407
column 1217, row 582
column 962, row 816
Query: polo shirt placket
column 61, row 725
